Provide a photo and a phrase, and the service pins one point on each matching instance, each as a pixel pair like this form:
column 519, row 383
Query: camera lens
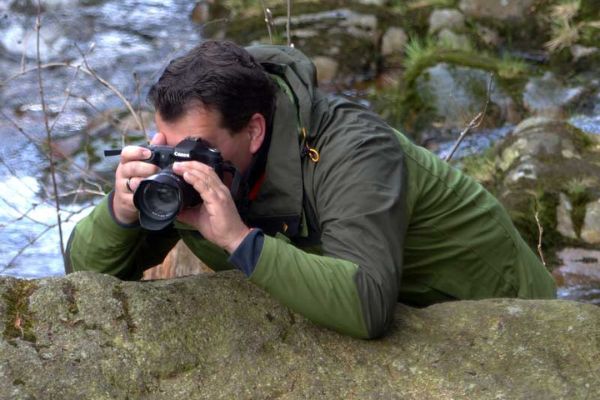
column 160, row 200
column 160, row 197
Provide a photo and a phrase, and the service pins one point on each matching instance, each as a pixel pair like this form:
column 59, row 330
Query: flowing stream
column 126, row 43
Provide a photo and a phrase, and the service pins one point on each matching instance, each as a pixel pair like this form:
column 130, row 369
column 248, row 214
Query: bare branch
column 38, row 25
column 288, row 22
column 67, row 96
column 43, row 152
column 541, row 233
column 475, row 122
column 23, row 215
column 87, row 71
column 103, row 81
column 32, row 241
column 268, row 19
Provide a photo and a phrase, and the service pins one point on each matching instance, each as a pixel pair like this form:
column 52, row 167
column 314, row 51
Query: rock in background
column 90, row 336
column 424, row 64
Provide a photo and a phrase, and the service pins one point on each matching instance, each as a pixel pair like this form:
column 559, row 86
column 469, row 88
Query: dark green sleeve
column 360, row 200
column 318, row 287
column 99, row 244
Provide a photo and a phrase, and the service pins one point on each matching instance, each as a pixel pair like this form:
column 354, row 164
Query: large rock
column 89, row 336
column 549, row 166
column 456, row 94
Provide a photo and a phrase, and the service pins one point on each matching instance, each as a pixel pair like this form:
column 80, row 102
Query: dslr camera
column 160, row 197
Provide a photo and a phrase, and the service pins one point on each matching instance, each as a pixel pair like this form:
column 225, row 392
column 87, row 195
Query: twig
column 138, row 94
column 23, row 215
column 135, row 115
column 67, row 95
column 288, row 22
column 38, row 24
column 43, row 152
column 81, row 190
column 268, row 19
column 10, row 264
column 475, row 122
column 87, row 71
column 541, row 233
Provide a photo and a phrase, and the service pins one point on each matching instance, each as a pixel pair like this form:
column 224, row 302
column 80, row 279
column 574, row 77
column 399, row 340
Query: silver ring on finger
column 128, row 185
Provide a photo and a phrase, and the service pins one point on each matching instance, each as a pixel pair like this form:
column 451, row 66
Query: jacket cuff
column 103, row 220
column 246, row 256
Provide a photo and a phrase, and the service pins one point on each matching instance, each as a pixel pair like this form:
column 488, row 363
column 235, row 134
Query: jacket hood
column 278, row 205
column 296, row 68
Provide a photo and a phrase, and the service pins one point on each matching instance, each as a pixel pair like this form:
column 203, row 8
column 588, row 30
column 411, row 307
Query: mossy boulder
column 455, row 94
column 216, row 336
column 548, row 167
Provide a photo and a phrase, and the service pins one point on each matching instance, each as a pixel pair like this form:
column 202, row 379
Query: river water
column 127, row 43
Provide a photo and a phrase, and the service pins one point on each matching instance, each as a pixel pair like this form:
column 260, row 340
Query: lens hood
column 160, row 197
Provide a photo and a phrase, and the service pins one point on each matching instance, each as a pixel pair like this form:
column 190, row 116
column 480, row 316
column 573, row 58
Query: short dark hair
column 219, row 75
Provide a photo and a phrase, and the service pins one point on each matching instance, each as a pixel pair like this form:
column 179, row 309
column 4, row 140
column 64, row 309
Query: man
column 344, row 216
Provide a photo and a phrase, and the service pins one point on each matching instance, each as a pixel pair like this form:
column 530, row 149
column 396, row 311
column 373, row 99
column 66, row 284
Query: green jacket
column 375, row 221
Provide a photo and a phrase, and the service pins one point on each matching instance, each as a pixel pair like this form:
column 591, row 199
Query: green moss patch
column 19, row 319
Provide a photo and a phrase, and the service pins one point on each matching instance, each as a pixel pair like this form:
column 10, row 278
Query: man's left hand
column 217, row 218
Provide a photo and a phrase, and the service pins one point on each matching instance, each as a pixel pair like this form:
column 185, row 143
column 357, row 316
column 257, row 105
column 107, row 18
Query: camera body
column 189, row 149
column 160, row 197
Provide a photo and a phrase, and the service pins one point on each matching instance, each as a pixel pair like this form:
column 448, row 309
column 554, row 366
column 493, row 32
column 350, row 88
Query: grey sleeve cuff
column 245, row 257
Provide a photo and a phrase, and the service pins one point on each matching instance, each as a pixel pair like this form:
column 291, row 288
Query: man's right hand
column 130, row 172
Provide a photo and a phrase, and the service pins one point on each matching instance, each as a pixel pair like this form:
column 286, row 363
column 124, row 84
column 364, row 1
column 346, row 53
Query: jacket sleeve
column 98, row 243
column 360, row 200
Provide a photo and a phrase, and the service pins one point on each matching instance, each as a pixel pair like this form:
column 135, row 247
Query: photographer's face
column 205, row 123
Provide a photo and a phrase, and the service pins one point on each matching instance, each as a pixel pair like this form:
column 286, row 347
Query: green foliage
column 544, row 205
column 511, row 67
column 573, row 22
column 578, row 192
column 393, row 103
column 481, row 167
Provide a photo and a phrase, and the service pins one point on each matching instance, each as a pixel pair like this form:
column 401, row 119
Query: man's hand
column 130, row 172
column 217, row 218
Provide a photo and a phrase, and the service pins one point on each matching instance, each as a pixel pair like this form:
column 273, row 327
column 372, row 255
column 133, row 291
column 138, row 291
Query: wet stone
column 590, row 232
column 549, row 97
column 446, row 19
column 564, row 222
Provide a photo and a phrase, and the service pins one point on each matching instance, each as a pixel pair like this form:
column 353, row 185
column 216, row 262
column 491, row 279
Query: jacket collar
column 278, row 205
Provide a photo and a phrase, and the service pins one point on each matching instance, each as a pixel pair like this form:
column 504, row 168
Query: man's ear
column 256, row 131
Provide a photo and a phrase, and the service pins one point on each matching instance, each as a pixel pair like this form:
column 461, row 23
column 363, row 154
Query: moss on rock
column 18, row 318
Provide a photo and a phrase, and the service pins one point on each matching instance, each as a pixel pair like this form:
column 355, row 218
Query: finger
column 137, row 169
column 134, row 153
column 182, row 166
column 210, row 189
column 159, row 139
